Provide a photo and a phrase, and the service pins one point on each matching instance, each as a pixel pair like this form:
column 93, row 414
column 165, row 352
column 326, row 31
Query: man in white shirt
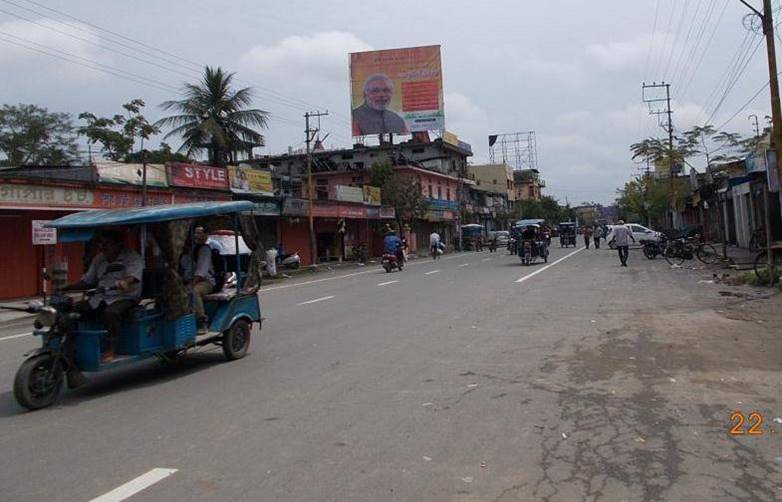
column 434, row 242
column 621, row 239
column 198, row 273
column 116, row 273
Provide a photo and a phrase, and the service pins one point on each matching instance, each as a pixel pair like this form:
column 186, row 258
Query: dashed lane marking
column 431, row 272
column 11, row 337
column 134, row 486
column 387, row 283
column 316, row 300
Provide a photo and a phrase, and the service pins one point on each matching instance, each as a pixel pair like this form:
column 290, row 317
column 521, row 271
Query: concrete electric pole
column 310, row 135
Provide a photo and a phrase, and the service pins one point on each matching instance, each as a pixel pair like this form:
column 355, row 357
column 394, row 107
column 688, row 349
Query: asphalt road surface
column 467, row 378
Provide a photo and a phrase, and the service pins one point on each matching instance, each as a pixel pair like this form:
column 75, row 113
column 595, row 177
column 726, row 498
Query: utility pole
column 310, row 135
column 767, row 18
column 757, row 127
column 669, row 129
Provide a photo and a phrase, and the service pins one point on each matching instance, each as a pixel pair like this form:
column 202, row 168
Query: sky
column 569, row 70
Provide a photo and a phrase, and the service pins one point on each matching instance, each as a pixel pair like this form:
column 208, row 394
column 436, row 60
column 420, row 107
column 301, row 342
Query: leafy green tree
column 547, row 208
column 31, row 135
column 160, row 156
column 643, row 199
column 117, row 135
column 403, row 194
column 214, row 117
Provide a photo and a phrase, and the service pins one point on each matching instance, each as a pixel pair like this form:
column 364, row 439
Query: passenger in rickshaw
column 198, row 273
column 530, row 233
column 116, row 273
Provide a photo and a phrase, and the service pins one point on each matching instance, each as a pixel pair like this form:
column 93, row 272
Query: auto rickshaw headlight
column 46, row 316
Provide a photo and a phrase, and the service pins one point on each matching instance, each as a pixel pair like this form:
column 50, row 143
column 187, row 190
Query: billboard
column 397, row 91
column 346, row 193
column 197, row 176
column 244, row 179
column 131, row 174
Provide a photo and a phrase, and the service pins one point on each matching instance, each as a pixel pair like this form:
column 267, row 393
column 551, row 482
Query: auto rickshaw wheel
column 38, row 382
column 236, row 340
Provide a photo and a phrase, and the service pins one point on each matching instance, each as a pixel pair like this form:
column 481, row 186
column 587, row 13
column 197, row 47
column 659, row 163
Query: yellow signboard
column 372, row 195
column 244, row 179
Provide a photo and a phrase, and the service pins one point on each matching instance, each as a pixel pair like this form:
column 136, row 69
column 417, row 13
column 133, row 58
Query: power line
column 705, row 48
column 745, row 105
column 685, row 8
column 678, row 59
column 651, row 40
column 737, row 76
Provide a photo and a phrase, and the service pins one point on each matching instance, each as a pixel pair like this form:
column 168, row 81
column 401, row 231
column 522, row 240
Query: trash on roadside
column 778, row 420
column 472, row 385
column 673, row 380
column 639, row 439
column 705, row 282
column 592, row 320
column 474, row 327
column 467, row 479
column 428, row 459
column 564, row 436
column 483, row 464
column 428, row 404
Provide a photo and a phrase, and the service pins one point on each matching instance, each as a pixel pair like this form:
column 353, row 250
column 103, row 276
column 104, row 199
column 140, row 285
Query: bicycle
column 757, row 240
column 760, row 265
column 678, row 250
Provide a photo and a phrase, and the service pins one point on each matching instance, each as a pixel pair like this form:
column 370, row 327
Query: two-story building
column 436, row 166
column 527, row 185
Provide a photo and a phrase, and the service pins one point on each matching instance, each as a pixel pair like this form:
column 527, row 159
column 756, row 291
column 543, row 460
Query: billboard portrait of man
column 397, row 91
column 373, row 116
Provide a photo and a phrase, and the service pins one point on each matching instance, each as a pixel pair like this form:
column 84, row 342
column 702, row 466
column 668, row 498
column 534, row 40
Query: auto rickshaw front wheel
column 236, row 340
column 39, row 382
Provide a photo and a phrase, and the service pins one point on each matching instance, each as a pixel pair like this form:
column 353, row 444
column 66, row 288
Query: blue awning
column 148, row 214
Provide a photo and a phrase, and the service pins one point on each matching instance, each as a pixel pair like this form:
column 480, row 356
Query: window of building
column 532, row 192
column 494, row 182
column 447, row 194
column 357, row 179
column 439, row 192
column 430, row 191
column 346, row 156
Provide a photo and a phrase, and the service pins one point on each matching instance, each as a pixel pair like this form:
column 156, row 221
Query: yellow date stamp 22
column 748, row 424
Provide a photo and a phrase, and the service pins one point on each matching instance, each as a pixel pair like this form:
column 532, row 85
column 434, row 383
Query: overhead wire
column 694, row 33
column 651, row 38
column 187, row 64
column 697, row 66
column 682, row 17
column 731, row 84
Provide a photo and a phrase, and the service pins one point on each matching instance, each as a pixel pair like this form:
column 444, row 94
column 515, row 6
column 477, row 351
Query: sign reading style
column 198, row 176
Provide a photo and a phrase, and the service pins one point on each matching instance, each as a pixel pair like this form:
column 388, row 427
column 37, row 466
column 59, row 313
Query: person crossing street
column 621, row 240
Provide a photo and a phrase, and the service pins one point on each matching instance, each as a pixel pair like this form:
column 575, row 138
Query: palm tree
column 215, row 118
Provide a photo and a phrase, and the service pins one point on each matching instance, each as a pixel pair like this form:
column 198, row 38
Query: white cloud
column 620, row 55
column 467, row 120
column 47, row 35
column 321, row 56
column 548, row 71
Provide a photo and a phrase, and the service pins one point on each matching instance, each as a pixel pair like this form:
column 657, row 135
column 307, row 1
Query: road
column 469, row 378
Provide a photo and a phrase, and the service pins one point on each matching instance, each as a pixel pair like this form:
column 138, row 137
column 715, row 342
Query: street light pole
column 310, row 134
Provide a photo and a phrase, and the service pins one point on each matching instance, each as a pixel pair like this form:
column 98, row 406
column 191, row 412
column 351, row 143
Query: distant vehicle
column 639, row 232
column 503, row 236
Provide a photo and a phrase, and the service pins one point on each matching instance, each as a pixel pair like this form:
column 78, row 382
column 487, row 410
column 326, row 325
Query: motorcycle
column 652, row 248
column 291, row 260
column 390, row 262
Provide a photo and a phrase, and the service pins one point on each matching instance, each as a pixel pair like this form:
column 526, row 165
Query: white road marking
column 20, row 335
column 316, row 300
column 549, row 265
column 431, row 272
column 486, row 259
column 134, row 486
column 387, row 283
column 464, row 265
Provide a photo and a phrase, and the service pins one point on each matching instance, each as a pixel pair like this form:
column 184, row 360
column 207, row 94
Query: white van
column 639, row 232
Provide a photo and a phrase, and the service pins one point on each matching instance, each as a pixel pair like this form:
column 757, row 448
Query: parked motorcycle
column 652, row 248
column 291, row 260
column 390, row 262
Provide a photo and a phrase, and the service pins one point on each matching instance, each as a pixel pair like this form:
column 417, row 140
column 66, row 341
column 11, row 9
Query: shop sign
column 352, row 212
column 373, row 213
column 266, row 208
column 244, row 179
column 387, row 212
column 325, row 211
column 131, row 174
column 371, row 195
column 32, row 195
column 198, row 176
column 295, row 207
column 346, row 193
column 443, row 205
column 111, row 198
column 43, row 235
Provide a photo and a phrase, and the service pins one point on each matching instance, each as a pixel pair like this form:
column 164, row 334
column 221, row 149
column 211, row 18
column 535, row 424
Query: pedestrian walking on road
column 621, row 239
column 587, row 236
column 598, row 234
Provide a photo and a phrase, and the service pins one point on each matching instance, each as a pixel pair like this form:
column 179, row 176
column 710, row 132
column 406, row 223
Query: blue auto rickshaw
column 159, row 325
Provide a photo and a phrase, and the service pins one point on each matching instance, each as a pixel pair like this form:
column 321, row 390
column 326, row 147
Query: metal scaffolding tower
column 518, row 150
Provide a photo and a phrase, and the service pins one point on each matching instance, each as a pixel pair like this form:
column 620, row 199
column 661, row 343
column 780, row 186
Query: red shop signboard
column 197, row 176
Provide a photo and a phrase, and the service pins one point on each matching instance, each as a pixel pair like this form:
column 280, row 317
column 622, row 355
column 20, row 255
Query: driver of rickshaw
column 530, row 233
column 116, row 273
column 198, row 272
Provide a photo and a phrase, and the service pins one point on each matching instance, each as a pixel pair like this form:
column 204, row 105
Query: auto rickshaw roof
column 148, row 214
column 529, row 222
column 567, row 224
